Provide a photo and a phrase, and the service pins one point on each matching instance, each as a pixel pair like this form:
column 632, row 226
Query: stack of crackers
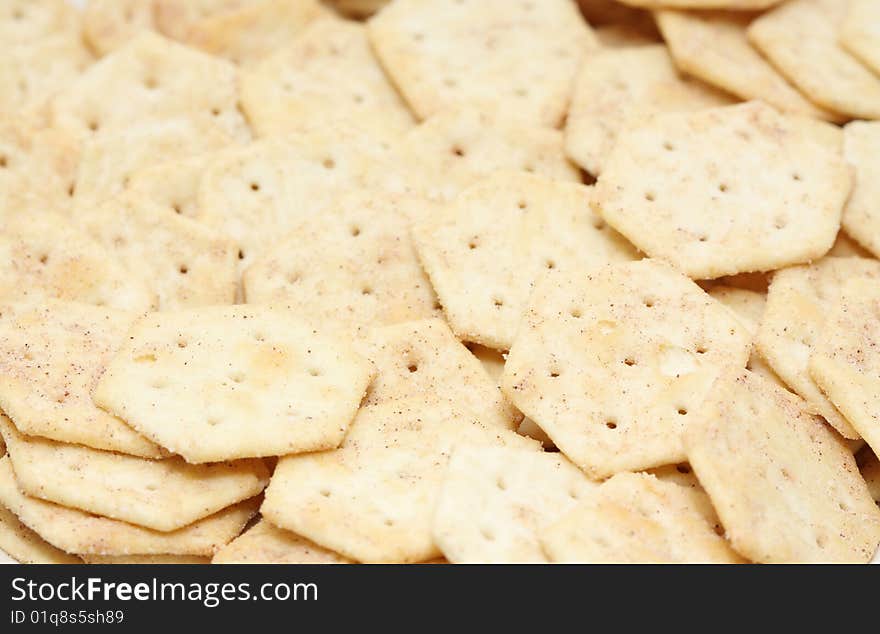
column 285, row 281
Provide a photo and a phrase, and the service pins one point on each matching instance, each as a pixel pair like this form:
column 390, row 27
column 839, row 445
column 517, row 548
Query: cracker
column 173, row 185
column 109, row 24
column 37, row 169
column 258, row 193
column 185, row 263
column 860, row 32
column 353, row 265
column 46, row 255
column 175, row 18
column 845, row 363
column 748, row 306
column 155, row 79
column 636, row 518
column 684, row 476
column 800, row 38
column 861, row 217
column 775, row 185
column 264, row 543
column 783, row 485
column 798, row 302
column 714, row 47
column 25, row 546
column 490, row 54
column 109, row 161
column 605, row 363
column 485, row 250
column 422, row 359
column 24, row 21
column 372, row 500
column 163, row 495
column 52, row 355
column 74, row 531
column 495, row 501
column 222, row 383
column 617, row 89
column 328, row 73
column 455, row 149
column 146, row 559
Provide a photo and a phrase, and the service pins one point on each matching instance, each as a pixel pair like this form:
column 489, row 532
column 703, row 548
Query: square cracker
column 785, row 487
column 860, row 32
column 248, row 34
column 800, row 38
column 75, row 531
column 25, row 546
column 24, row 21
column 714, row 47
column 264, row 543
column 861, row 217
column 776, row 185
column 173, row 184
column 620, row 87
column 373, row 499
column 798, row 301
column 109, row 24
column 185, row 263
column 163, row 495
column 484, row 251
column 491, row 54
column 495, row 501
column 454, row 149
column 222, row 383
column 328, row 73
column 607, row 364
column 845, row 362
column 636, row 518
column 176, row 18
column 52, row 355
column 352, row 265
column 420, row 358
column 154, row 79
column 46, row 255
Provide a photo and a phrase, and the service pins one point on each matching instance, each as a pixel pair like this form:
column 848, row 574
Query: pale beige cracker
column 494, row 502
column 328, row 73
column 617, row 89
column 257, row 193
column 714, row 47
column 682, row 475
column 37, row 169
column 184, row 263
column 163, row 495
column 845, row 362
column 800, row 38
column 45, row 255
column 484, row 251
column 52, row 354
column 786, row 489
column 606, row 362
column 373, row 499
column 353, row 264
column 175, row 18
column 423, row 359
column 264, row 543
column 146, row 559
column 731, row 5
column 798, row 301
column 860, row 32
column 775, row 185
column 173, row 184
column 150, row 79
column 77, row 532
column 26, row 21
column 109, row 24
column 636, row 518
column 221, row 383
column 108, row 162
column 748, row 306
column 454, row 149
column 861, row 217
column 25, row 546
column 491, row 54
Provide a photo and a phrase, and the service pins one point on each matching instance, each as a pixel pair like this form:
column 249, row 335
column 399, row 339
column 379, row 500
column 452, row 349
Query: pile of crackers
column 285, row 281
